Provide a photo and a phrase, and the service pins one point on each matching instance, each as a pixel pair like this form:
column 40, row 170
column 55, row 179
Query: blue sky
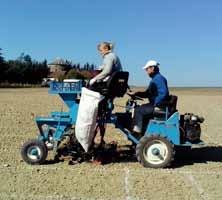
column 184, row 36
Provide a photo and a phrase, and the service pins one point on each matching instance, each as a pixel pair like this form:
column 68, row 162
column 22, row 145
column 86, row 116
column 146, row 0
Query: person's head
column 151, row 67
column 105, row 47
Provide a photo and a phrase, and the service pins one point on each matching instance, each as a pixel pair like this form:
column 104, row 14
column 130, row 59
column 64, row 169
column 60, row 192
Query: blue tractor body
column 154, row 149
column 61, row 121
column 167, row 128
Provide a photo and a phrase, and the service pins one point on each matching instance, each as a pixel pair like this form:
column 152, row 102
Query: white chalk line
column 126, row 185
column 203, row 195
column 141, row 171
column 188, row 175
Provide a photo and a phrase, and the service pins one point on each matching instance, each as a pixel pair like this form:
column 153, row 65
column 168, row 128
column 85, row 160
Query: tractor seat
column 116, row 86
column 167, row 107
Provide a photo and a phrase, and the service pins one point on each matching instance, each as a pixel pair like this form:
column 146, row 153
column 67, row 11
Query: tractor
column 162, row 134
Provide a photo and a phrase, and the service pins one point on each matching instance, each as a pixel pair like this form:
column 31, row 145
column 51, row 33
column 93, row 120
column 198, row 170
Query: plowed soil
column 196, row 174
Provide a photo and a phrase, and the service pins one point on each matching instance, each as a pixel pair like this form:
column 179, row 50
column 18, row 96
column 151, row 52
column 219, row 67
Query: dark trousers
column 140, row 113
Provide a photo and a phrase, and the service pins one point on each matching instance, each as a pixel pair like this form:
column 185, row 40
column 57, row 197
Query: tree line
column 25, row 70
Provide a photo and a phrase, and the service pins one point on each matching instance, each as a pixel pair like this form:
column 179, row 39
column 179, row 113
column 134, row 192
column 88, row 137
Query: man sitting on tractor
column 157, row 92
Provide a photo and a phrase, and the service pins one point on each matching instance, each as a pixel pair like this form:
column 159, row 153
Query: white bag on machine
column 86, row 118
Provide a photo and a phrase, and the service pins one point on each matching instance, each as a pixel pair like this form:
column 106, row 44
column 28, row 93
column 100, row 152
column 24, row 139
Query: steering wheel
column 134, row 97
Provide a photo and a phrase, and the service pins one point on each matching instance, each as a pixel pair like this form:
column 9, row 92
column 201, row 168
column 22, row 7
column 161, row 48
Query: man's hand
column 131, row 93
column 134, row 96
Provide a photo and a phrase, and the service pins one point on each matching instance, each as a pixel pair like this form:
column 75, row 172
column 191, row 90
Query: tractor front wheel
column 34, row 152
column 154, row 151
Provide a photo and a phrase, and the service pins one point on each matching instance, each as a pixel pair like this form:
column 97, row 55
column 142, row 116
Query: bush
column 76, row 74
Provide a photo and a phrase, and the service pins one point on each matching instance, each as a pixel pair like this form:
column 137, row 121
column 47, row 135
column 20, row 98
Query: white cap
column 151, row 63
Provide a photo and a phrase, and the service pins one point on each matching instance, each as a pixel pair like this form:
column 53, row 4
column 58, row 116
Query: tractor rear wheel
column 34, row 152
column 154, row 151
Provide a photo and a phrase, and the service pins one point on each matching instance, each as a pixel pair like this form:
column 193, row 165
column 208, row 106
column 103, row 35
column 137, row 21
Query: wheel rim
column 34, row 153
column 156, row 153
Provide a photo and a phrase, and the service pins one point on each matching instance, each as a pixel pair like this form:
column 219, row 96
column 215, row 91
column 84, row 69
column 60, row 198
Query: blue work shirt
column 157, row 92
column 158, row 89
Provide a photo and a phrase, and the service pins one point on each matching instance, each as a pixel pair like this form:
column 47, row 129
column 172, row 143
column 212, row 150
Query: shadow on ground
column 126, row 154
column 186, row 156
column 183, row 156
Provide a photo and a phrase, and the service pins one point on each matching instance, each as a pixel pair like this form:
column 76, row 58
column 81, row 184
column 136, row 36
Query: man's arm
column 162, row 91
column 144, row 94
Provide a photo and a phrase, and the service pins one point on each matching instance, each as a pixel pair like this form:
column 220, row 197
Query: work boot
column 137, row 132
column 136, row 129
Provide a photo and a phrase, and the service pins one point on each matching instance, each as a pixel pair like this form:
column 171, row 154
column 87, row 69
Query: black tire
column 147, row 158
column 36, row 146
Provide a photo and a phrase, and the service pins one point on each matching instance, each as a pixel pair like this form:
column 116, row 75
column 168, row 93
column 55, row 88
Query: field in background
column 194, row 175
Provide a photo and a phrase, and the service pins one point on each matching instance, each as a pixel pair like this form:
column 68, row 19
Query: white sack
column 86, row 118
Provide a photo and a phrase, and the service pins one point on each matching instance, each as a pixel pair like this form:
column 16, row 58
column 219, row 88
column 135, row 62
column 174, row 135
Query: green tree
column 25, row 70
column 92, row 67
column 86, row 66
column 1, row 58
column 67, row 66
column 3, row 67
column 27, row 59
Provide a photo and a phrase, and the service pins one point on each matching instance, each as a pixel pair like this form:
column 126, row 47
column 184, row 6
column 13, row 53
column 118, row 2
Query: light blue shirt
column 111, row 63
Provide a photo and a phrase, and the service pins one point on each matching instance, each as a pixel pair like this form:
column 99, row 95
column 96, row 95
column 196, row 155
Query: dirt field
column 197, row 175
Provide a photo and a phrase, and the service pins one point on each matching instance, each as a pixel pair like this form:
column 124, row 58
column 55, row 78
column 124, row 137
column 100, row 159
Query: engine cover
column 190, row 125
column 193, row 132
